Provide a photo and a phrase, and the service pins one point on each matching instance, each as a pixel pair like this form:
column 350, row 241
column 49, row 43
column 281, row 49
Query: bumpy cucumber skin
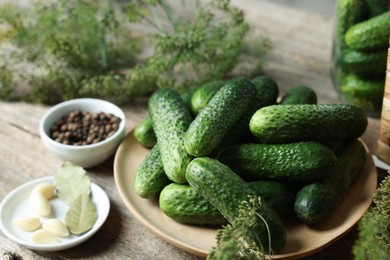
column 225, row 190
column 301, row 161
column 215, row 120
column 299, row 94
column 267, row 92
column 203, row 94
column 144, row 133
column 372, row 34
column 348, row 13
column 150, row 177
column 308, row 122
column 276, row 194
column 365, row 93
column 171, row 118
column 315, row 201
column 185, row 205
column 367, row 64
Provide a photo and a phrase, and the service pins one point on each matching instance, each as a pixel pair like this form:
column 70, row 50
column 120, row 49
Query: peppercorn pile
column 84, row 128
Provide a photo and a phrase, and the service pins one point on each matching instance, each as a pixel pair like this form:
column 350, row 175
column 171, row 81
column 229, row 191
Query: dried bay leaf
column 81, row 215
column 71, row 181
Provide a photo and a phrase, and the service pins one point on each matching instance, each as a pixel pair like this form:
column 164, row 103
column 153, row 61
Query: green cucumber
column 203, row 94
column 315, row 201
column 299, row 94
column 225, row 190
column 301, row 161
column 348, row 13
column 372, row 34
column 267, row 92
column 171, row 118
column 215, row 120
column 185, row 205
column 365, row 93
column 366, row 64
column 144, row 133
column 276, row 194
column 308, row 122
column 187, row 96
column 150, row 177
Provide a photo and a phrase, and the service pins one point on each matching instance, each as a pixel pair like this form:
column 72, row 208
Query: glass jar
column 359, row 69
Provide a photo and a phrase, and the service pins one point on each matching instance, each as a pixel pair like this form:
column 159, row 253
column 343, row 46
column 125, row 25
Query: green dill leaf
column 374, row 227
column 81, row 215
column 233, row 241
column 70, row 182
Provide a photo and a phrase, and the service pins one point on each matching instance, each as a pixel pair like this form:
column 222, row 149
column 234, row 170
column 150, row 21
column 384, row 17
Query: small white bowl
column 89, row 155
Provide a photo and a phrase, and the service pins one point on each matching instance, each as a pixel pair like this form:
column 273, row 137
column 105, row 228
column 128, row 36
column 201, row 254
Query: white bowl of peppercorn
column 84, row 131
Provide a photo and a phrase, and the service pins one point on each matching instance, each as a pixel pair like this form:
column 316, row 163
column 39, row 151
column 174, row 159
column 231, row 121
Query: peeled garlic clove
column 46, row 189
column 27, row 223
column 56, row 227
column 42, row 236
column 39, row 204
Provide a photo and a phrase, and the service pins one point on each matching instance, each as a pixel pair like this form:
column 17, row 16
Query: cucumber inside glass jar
column 359, row 53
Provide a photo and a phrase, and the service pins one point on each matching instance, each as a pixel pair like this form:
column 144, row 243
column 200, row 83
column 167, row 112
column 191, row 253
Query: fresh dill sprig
column 374, row 227
column 233, row 241
column 81, row 48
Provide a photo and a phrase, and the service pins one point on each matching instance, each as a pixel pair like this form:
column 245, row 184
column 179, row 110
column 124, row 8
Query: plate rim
column 104, row 203
column 369, row 164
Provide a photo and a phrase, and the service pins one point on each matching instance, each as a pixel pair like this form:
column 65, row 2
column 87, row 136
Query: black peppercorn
column 83, row 128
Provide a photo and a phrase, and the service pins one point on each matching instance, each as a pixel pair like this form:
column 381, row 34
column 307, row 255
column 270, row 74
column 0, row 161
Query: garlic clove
column 47, row 190
column 39, row 204
column 56, row 227
column 42, row 236
column 27, row 223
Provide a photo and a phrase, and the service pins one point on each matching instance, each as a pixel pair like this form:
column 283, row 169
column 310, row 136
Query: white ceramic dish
column 15, row 205
column 86, row 155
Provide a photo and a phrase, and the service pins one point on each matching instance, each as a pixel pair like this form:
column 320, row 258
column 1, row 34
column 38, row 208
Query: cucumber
column 308, row 122
column 348, row 13
column 150, row 177
column 171, row 118
column 365, row 93
column 366, row 64
column 301, row 161
column 316, row 200
column 203, row 94
column 185, row 205
column 276, row 194
column 144, row 133
column 187, row 96
column 225, row 190
column 215, row 120
column 299, row 94
column 267, row 92
column 372, row 34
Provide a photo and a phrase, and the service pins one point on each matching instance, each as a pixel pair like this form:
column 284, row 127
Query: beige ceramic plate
column 302, row 240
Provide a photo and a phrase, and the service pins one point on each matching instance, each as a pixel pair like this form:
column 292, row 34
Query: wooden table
column 300, row 54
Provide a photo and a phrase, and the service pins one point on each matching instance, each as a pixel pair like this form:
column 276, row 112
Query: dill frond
column 233, row 241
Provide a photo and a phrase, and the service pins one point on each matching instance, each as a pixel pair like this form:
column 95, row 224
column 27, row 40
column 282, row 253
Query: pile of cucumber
column 221, row 143
column 360, row 48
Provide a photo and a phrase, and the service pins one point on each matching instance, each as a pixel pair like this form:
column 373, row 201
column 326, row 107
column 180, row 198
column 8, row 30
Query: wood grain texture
column 300, row 54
